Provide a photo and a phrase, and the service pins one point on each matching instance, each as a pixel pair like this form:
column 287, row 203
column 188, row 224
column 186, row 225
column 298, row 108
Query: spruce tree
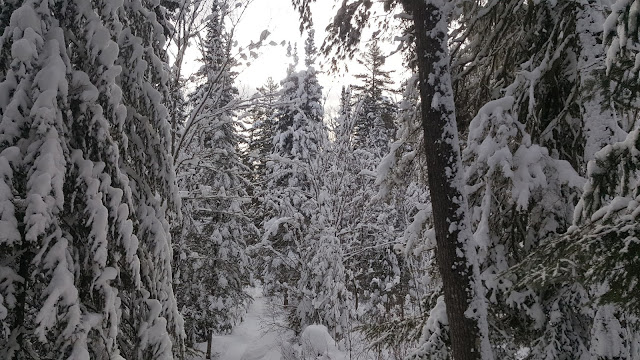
column 288, row 198
column 586, row 117
column 211, row 264
column 86, row 250
column 373, row 274
column 323, row 294
column 262, row 129
column 374, row 127
column 148, row 163
column 525, row 153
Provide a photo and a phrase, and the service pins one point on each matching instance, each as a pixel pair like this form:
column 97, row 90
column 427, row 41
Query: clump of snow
column 3, row 310
column 435, row 334
column 318, row 343
column 316, row 338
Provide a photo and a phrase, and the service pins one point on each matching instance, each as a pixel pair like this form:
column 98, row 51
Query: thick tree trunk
column 445, row 174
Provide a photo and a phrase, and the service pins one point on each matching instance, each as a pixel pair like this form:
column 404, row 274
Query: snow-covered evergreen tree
column 211, row 264
column 262, row 129
column 288, row 198
column 324, row 298
column 512, row 176
column 86, row 256
column 415, row 247
column 366, row 115
column 373, row 127
column 149, row 165
column 525, row 152
column 594, row 250
column 623, row 46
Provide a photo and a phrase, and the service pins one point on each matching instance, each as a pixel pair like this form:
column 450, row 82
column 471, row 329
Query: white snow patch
column 317, row 341
column 249, row 340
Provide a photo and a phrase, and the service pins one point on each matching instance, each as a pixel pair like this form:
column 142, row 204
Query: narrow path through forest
column 250, row 340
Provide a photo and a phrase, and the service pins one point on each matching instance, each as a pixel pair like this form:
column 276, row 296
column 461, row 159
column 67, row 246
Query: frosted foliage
column 146, row 158
column 612, row 190
column 46, row 159
column 565, row 333
column 325, row 297
column 3, row 309
column 9, row 233
column 435, row 335
column 210, row 245
column 299, row 116
column 600, row 125
column 211, row 239
column 605, row 225
column 613, row 335
column 69, row 229
column 572, row 116
column 506, row 172
column 499, row 146
column 620, row 31
column 529, row 141
column 287, row 201
column 608, row 206
column 143, row 79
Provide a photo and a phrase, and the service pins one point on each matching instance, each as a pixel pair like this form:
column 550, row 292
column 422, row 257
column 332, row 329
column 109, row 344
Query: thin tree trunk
column 209, row 344
column 355, row 292
column 21, row 298
column 445, row 177
column 285, row 297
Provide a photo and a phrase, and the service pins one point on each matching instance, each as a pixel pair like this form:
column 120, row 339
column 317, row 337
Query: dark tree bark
column 442, row 150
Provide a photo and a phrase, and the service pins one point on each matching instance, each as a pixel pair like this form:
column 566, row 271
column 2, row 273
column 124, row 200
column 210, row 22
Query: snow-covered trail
column 249, row 341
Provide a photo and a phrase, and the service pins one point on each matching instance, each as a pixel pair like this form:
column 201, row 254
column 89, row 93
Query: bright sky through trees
column 282, row 21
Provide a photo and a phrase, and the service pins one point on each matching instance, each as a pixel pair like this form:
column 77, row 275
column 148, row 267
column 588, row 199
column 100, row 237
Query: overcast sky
column 282, row 21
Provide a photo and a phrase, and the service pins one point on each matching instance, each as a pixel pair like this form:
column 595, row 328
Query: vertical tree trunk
column 445, row 177
column 285, row 297
column 209, row 344
column 21, row 298
column 355, row 293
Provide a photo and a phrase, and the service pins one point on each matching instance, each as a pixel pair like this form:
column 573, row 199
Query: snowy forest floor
column 252, row 339
column 262, row 335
